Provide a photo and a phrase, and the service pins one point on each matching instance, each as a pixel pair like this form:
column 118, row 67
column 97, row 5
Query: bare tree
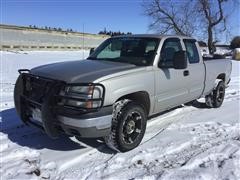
column 170, row 16
column 187, row 17
column 213, row 14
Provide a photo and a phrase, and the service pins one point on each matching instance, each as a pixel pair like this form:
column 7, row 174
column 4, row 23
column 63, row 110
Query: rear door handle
column 186, row 73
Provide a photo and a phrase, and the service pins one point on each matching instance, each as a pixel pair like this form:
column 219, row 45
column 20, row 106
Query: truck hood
column 81, row 70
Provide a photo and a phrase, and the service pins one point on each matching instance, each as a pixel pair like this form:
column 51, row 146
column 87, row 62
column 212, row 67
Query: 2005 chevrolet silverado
column 123, row 82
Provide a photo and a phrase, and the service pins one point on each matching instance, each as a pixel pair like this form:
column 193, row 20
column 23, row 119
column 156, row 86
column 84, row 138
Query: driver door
column 171, row 84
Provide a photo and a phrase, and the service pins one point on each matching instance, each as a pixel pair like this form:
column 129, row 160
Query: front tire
column 216, row 97
column 128, row 126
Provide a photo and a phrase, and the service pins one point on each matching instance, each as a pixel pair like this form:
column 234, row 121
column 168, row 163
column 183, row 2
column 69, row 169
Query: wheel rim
column 132, row 127
column 220, row 94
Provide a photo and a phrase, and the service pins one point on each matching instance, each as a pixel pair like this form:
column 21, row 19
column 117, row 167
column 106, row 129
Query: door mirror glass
column 180, row 60
column 91, row 51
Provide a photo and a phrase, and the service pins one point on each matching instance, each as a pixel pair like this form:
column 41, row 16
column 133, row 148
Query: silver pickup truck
column 124, row 82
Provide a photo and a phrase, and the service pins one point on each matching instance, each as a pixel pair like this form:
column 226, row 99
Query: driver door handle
column 186, row 73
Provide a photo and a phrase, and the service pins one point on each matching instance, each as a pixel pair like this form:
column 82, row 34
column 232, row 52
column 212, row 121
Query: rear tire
column 216, row 97
column 128, row 126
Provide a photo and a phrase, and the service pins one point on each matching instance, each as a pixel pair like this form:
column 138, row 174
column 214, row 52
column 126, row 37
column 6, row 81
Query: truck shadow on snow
column 35, row 138
column 197, row 104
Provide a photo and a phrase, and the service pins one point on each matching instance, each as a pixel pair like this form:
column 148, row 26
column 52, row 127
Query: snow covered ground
column 188, row 142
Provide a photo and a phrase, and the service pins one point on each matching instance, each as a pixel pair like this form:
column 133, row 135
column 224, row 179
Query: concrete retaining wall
column 24, row 38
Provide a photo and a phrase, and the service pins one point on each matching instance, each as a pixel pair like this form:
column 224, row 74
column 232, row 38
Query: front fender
column 123, row 85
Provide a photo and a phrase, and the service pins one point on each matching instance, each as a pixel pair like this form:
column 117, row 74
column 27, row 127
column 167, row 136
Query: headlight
column 84, row 96
column 81, row 91
column 85, row 91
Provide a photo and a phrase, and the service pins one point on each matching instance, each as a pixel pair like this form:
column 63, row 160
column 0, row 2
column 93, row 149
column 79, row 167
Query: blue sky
column 117, row 15
column 123, row 15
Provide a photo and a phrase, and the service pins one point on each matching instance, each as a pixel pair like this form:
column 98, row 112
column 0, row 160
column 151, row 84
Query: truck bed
column 214, row 68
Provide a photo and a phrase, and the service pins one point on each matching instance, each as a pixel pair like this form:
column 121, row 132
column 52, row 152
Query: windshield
column 133, row 50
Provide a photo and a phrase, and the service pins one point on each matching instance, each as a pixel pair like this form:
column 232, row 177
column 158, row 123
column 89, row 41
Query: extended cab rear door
column 196, row 70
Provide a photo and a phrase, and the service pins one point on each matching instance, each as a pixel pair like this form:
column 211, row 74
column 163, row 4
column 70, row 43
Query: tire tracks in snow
column 206, row 137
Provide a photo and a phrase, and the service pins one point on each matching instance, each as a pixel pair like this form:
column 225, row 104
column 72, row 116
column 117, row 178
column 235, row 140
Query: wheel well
column 140, row 97
column 221, row 76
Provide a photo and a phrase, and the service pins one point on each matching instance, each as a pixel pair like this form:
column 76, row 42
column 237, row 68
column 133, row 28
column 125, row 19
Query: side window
column 168, row 50
column 192, row 51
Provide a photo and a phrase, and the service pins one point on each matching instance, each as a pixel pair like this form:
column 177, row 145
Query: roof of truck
column 152, row 36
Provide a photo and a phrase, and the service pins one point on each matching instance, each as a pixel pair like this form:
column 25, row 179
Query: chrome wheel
column 128, row 126
column 216, row 97
column 132, row 127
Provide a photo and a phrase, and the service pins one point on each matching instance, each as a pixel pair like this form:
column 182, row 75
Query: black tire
column 128, row 126
column 216, row 97
column 18, row 88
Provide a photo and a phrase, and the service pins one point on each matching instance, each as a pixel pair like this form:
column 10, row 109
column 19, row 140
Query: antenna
column 83, row 41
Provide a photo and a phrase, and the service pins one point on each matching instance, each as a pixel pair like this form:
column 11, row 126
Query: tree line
column 104, row 32
column 51, row 28
column 113, row 33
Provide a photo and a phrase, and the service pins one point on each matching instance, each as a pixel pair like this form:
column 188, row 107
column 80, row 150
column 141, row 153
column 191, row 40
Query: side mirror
column 180, row 60
column 91, row 51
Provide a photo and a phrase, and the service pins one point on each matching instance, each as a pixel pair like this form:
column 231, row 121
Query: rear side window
column 192, row 51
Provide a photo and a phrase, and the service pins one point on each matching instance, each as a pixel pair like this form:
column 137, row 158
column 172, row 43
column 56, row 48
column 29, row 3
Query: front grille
column 37, row 88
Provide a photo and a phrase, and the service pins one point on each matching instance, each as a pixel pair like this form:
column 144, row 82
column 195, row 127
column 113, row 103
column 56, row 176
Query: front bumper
column 55, row 119
column 91, row 125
